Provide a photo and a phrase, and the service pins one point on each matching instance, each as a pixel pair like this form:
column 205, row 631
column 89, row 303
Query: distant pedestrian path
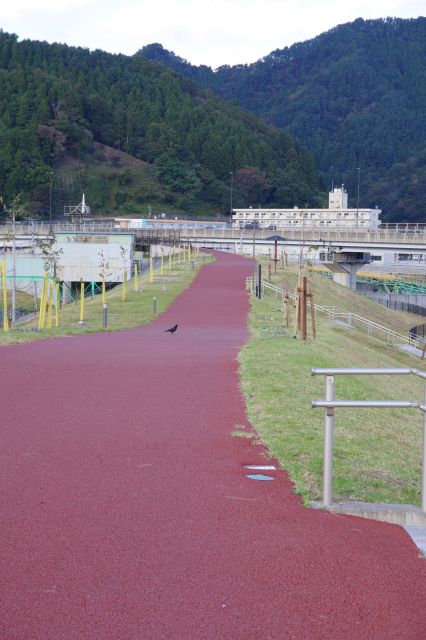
column 126, row 509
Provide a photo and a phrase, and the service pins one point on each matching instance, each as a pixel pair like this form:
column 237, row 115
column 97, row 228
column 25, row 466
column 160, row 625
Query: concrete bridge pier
column 344, row 265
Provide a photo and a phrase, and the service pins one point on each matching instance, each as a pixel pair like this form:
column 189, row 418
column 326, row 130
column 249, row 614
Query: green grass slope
column 377, row 451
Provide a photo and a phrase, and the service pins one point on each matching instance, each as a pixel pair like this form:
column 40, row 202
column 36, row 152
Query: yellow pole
column 43, row 301
column 136, row 277
column 151, row 271
column 162, row 265
column 49, row 313
column 57, row 305
column 123, row 292
column 4, row 286
column 82, row 302
column 189, row 253
column 103, row 291
column 169, row 263
column 40, row 317
column 179, row 254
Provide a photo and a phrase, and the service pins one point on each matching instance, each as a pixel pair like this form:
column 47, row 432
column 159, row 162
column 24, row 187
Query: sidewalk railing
column 353, row 320
column 330, row 404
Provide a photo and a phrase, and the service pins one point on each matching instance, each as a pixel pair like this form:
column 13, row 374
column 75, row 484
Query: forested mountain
column 355, row 95
column 133, row 134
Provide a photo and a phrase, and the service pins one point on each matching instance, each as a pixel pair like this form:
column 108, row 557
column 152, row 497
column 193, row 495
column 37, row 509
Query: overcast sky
column 212, row 32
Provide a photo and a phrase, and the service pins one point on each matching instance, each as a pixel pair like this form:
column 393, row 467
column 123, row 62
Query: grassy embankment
column 377, row 454
column 135, row 311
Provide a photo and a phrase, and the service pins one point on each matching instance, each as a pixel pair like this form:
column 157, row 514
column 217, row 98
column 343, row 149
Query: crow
column 172, row 329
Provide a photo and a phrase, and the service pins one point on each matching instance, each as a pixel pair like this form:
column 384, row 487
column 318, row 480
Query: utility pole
column 254, row 246
column 357, row 199
column 33, row 252
column 232, row 188
column 50, row 202
column 13, row 266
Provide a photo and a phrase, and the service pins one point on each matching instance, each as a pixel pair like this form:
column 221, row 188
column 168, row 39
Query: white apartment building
column 337, row 216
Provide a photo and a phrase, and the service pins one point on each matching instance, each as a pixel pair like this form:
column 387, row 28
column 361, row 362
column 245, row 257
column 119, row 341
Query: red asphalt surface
column 126, row 512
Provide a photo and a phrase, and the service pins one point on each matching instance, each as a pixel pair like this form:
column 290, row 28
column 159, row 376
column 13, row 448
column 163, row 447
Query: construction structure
column 78, row 212
column 344, row 265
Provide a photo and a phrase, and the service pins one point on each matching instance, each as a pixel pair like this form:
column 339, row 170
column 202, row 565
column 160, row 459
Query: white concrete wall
column 83, row 261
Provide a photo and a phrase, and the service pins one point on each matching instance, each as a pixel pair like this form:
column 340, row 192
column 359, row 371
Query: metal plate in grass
column 260, row 467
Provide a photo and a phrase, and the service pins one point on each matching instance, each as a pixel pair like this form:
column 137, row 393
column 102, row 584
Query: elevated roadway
column 386, row 242
column 355, row 240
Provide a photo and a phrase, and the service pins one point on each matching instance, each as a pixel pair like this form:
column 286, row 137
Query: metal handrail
column 334, row 313
column 330, row 404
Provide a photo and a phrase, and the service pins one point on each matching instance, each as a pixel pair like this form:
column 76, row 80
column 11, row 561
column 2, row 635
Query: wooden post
column 136, row 276
column 303, row 308
column 310, row 296
column 286, row 300
column 275, row 255
column 297, row 314
column 269, row 271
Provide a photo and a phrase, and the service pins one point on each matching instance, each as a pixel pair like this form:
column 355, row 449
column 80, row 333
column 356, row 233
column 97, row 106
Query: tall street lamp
column 13, row 266
column 50, row 201
column 12, row 212
column 232, row 188
column 254, row 251
column 357, row 198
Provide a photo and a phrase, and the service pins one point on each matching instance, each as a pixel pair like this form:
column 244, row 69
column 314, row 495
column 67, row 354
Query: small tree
column 103, row 266
column 17, row 208
column 104, row 272
column 51, row 255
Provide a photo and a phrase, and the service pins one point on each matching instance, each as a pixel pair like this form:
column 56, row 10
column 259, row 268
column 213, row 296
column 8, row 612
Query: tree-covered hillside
column 97, row 121
column 356, row 96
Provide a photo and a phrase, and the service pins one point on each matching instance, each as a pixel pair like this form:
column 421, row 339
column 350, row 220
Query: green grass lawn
column 377, row 454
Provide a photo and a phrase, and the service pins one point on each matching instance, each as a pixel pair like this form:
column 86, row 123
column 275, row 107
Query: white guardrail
column 353, row 320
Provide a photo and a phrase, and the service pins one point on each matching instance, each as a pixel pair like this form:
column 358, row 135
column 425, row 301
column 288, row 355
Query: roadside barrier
column 352, row 320
column 329, row 404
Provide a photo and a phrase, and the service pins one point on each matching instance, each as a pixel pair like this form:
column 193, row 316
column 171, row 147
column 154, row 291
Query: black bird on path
column 172, row 329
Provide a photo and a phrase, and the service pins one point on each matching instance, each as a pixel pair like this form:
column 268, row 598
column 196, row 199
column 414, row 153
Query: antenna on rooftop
column 77, row 212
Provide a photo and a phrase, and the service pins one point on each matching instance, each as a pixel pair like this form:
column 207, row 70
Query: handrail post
column 424, row 456
column 328, row 443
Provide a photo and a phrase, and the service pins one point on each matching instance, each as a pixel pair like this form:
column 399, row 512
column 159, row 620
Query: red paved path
column 126, row 512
